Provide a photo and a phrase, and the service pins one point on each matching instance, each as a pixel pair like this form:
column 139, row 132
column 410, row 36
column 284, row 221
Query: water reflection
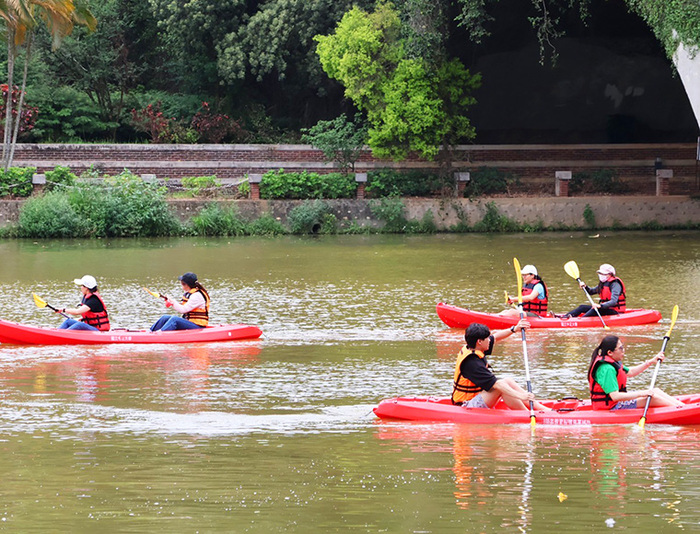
column 277, row 434
column 621, row 475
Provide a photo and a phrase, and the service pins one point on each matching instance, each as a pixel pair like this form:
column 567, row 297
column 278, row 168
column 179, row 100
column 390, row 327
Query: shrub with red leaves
column 27, row 118
column 215, row 127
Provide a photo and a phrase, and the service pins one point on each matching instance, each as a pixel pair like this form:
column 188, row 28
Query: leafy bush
column 201, row 185
column 388, row 182
column 603, row 181
column 66, row 115
column 215, row 127
column 495, row 221
column 488, row 181
column 28, row 115
column 306, row 185
column 51, row 216
column 216, row 221
column 244, row 189
column 121, row 206
column 340, row 140
column 391, row 211
column 266, row 225
column 160, row 127
column 311, row 218
column 17, row 181
column 59, row 178
column 589, row 216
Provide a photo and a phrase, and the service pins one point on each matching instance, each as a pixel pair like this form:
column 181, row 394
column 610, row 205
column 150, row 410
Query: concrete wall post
column 663, row 178
column 561, row 184
column 254, row 181
column 461, row 181
column 361, row 179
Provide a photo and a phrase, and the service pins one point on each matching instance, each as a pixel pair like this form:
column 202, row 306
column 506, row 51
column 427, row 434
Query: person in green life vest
column 607, row 379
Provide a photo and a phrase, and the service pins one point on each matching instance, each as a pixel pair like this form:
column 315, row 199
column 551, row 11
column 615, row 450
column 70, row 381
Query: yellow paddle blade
column 674, row 316
column 516, row 264
column 641, row 422
column 153, row 293
column 38, row 301
column 506, row 295
column 572, row 269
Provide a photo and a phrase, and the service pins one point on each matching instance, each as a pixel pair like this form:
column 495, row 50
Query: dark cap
column 188, row 278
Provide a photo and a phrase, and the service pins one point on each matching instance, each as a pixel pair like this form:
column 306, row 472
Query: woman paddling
column 91, row 308
column 612, row 295
column 607, row 379
column 194, row 307
column 534, row 295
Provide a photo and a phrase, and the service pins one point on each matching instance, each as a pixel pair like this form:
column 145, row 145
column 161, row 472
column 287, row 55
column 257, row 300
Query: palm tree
column 21, row 18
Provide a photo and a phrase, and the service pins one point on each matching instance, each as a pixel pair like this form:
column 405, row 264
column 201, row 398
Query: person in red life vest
column 91, row 308
column 607, row 379
column 612, row 295
column 475, row 385
column 534, row 294
column 194, row 307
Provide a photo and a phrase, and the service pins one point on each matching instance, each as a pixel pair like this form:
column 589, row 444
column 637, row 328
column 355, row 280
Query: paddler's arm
column 523, row 324
column 638, row 369
column 535, row 293
column 196, row 300
column 80, row 310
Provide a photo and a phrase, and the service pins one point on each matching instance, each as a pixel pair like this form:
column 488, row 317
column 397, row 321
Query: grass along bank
column 126, row 206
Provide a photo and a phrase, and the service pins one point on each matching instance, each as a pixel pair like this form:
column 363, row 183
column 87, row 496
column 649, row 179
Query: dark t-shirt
column 476, row 370
column 93, row 303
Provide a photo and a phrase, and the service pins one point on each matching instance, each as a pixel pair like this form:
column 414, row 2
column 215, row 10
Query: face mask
column 602, row 277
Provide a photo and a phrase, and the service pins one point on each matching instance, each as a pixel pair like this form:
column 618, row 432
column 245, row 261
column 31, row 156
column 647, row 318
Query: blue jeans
column 173, row 322
column 72, row 324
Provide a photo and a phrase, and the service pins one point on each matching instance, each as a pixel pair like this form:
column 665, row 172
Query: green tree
column 413, row 104
column 340, row 140
column 22, row 17
column 106, row 65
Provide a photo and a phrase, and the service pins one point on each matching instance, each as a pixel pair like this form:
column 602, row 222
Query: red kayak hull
column 19, row 334
column 455, row 317
column 565, row 413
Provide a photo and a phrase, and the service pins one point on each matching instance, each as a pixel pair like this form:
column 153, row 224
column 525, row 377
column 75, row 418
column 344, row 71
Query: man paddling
column 475, row 385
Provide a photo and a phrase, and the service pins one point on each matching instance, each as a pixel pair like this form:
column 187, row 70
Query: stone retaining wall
column 550, row 212
column 534, row 165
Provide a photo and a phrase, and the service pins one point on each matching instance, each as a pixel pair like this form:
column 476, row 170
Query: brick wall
column 533, row 164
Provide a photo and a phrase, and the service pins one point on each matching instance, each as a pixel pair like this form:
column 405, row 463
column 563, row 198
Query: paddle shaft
column 590, row 299
column 518, row 274
column 527, row 365
column 56, row 310
column 653, row 380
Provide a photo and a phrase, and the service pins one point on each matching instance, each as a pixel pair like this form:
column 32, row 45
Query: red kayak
column 455, row 317
column 20, row 334
column 566, row 412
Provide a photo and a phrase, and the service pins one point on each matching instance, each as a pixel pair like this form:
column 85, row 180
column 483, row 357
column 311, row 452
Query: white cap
column 87, row 281
column 606, row 268
column 529, row 269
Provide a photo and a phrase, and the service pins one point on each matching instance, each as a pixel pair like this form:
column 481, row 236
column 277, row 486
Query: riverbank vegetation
column 218, row 71
column 127, row 206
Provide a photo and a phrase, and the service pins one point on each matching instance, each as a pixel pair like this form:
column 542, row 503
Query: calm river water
column 277, row 435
